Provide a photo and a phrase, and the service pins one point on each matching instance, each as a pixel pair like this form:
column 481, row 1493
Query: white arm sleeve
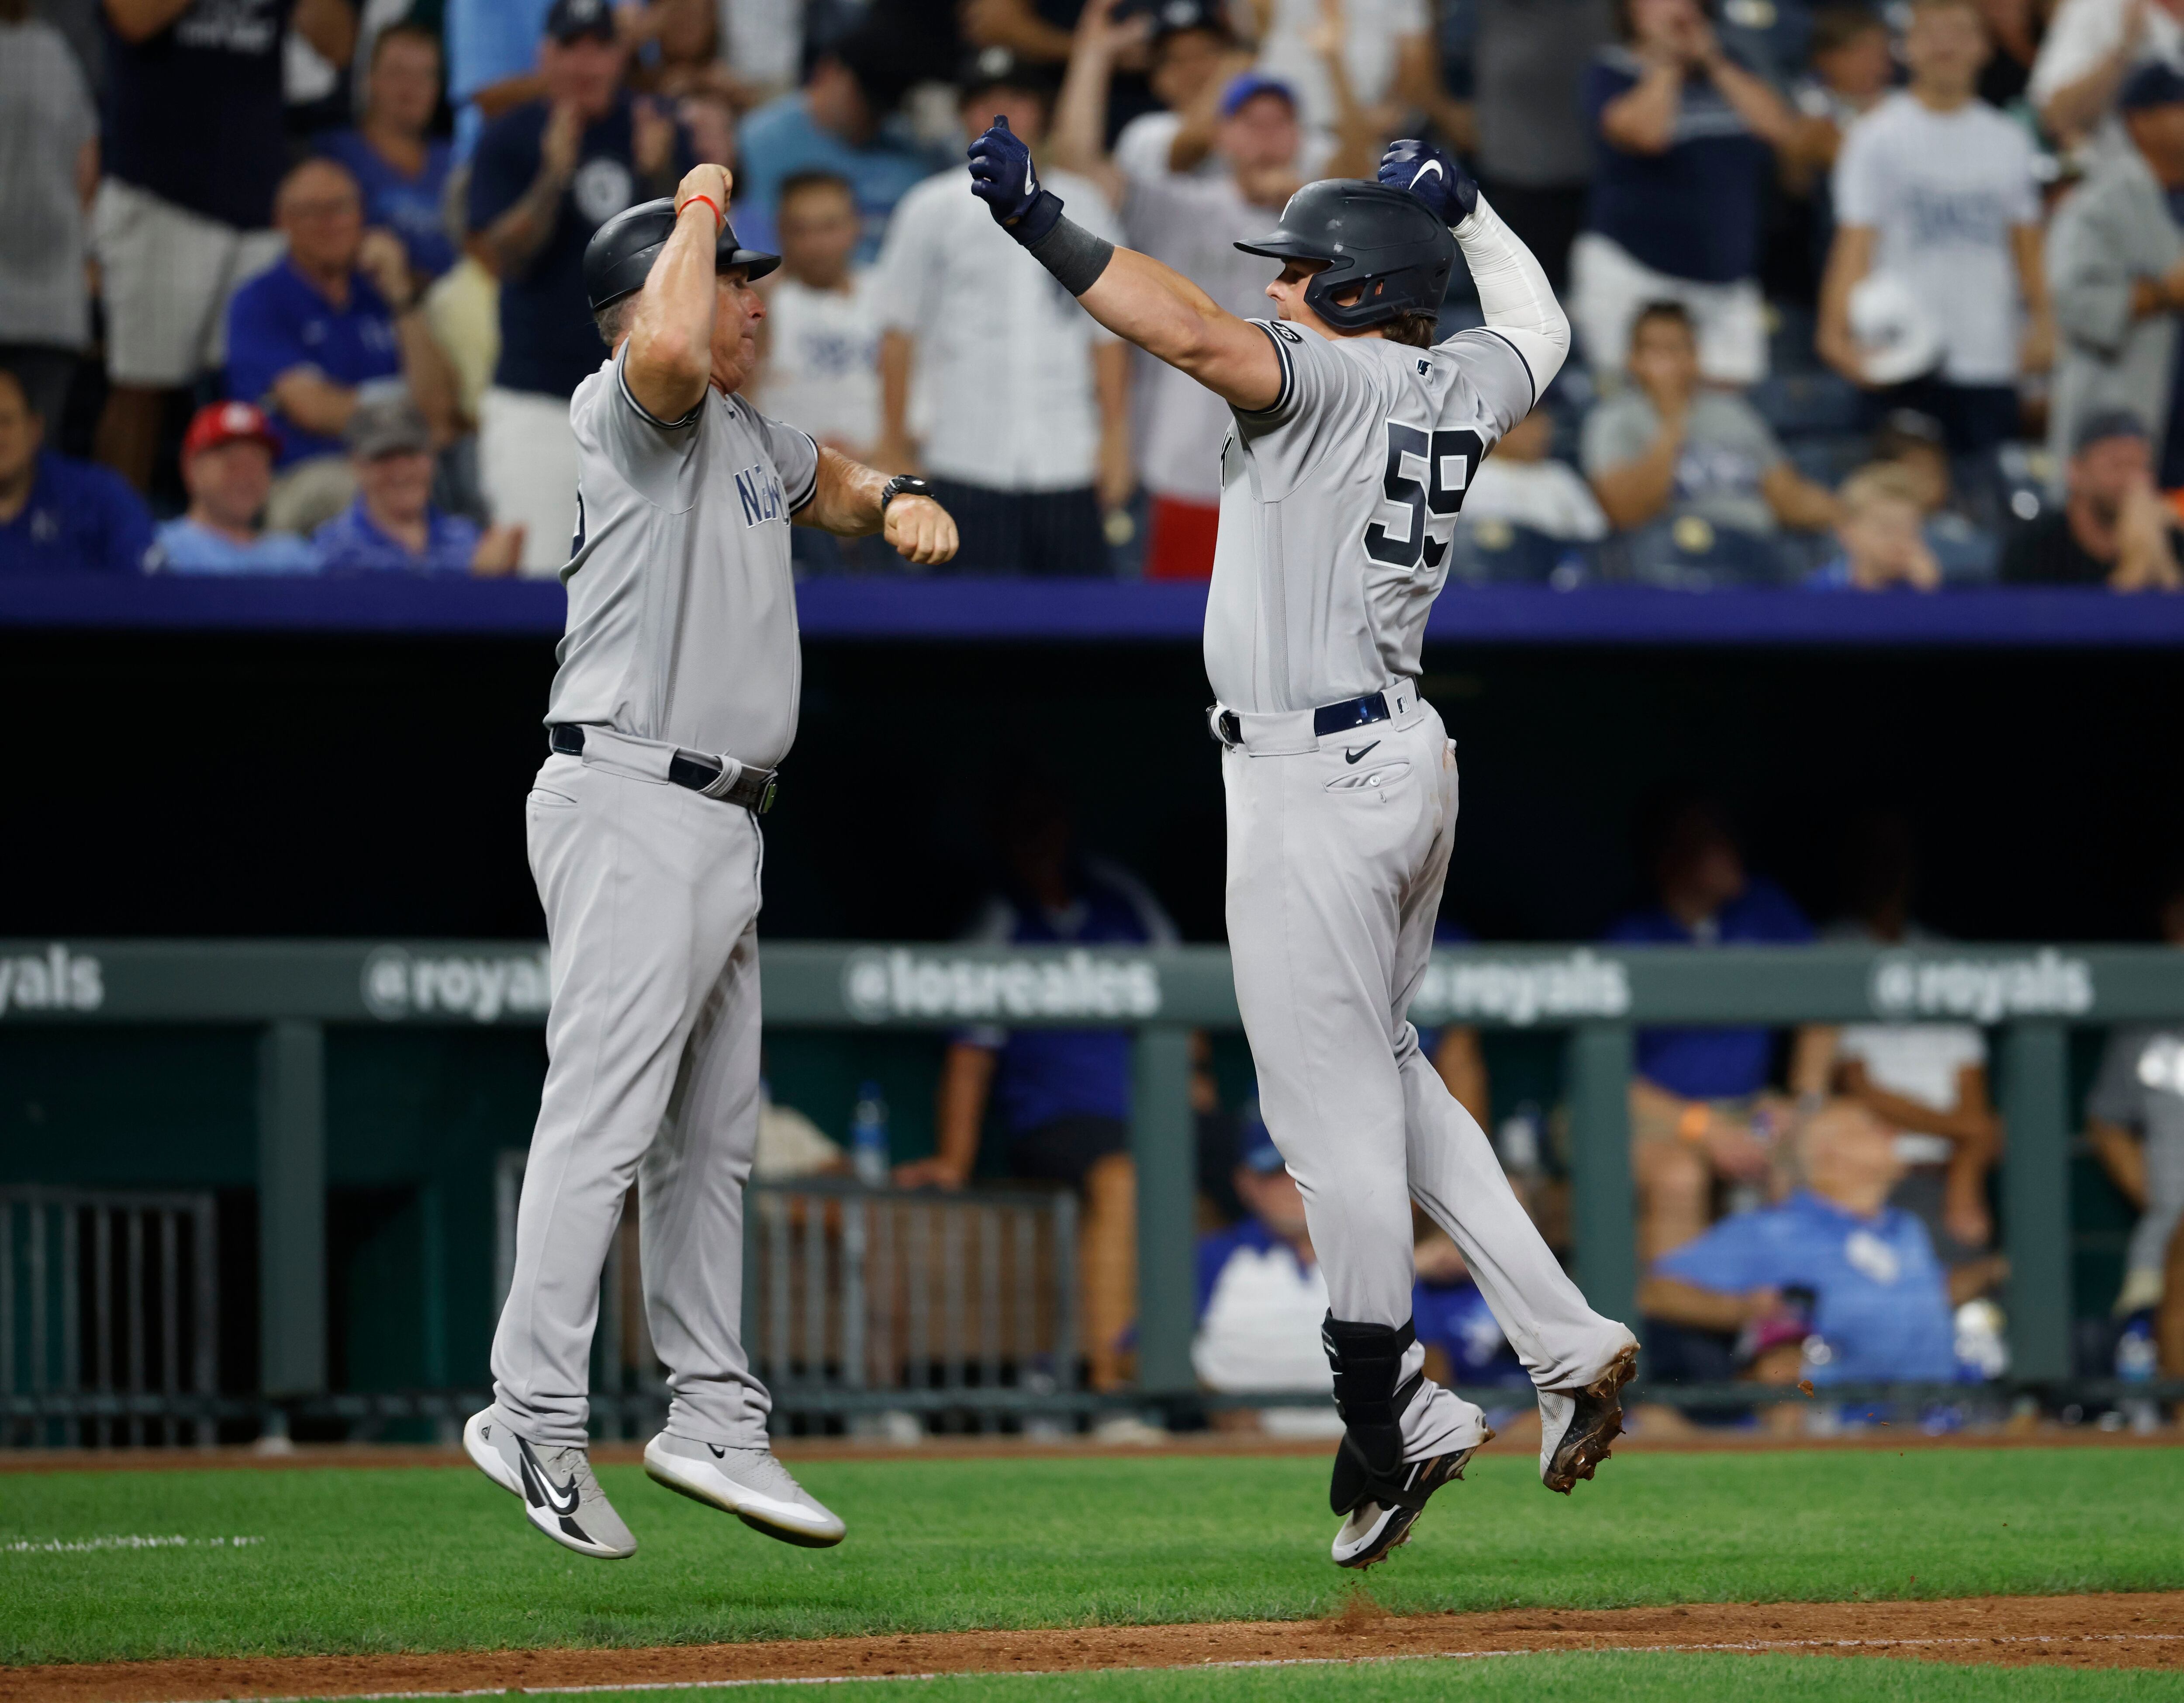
column 1513, row 290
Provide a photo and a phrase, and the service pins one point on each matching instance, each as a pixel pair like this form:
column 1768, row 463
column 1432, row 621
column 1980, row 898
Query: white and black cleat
column 1381, row 1521
column 1578, row 1427
column 560, row 1495
column 749, row 1483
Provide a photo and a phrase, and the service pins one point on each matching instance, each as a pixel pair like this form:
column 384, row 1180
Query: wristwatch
column 903, row 485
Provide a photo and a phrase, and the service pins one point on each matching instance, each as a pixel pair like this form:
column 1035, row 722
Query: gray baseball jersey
column 1337, row 507
column 682, row 606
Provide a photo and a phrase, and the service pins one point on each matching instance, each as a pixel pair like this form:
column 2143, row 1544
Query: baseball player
column 1352, row 436
column 676, row 698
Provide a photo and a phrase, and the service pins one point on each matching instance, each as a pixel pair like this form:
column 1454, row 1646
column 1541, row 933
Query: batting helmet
column 621, row 252
column 1376, row 240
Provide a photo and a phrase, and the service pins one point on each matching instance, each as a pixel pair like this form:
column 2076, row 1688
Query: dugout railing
column 2028, row 997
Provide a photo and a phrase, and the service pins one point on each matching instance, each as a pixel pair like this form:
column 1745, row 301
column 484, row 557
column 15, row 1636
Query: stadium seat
column 1690, row 554
column 1493, row 552
column 1806, row 404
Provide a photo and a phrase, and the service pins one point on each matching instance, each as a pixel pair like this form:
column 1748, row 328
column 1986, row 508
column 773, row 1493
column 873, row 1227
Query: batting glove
column 1432, row 176
column 1002, row 177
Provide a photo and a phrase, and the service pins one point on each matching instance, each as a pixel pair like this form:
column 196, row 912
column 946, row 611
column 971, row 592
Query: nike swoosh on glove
column 1432, row 176
column 1001, row 176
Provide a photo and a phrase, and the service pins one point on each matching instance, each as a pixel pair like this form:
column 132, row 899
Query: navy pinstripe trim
column 814, row 490
column 1489, row 331
column 1289, row 375
column 621, row 377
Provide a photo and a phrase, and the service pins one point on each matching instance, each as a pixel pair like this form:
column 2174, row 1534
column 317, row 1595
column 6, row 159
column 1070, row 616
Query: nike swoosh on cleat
column 1349, row 756
column 538, row 1488
column 719, row 1453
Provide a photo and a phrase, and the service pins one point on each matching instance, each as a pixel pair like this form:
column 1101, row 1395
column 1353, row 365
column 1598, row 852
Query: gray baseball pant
column 651, row 894
column 1336, row 868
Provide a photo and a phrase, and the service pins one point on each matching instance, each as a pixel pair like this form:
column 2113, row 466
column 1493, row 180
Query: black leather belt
column 1328, row 718
column 753, row 788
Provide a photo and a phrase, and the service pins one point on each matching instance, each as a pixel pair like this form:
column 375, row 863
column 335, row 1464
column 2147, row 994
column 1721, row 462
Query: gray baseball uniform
column 1337, row 507
column 681, row 634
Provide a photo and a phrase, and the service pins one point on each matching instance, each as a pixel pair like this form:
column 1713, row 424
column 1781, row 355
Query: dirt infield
column 2117, row 1631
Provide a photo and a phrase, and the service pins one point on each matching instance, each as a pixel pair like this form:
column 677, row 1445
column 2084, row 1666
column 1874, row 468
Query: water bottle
column 868, row 1137
column 2136, row 1360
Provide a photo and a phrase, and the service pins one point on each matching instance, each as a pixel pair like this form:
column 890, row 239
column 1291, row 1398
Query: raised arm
column 670, row 358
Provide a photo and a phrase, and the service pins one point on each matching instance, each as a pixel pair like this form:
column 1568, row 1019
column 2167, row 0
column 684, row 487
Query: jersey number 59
column 1425, row 475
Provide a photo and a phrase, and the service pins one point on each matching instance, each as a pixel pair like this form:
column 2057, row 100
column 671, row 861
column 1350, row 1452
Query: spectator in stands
column 1882, row 534
column 1934, row 196
column 1851, row 68
column 821, row 330
column 2113, row 529
column 392, row 524
column 59, row 515
column 2092, row 46
column 1261, row 1300
column 1063, row 1095
column 1700, row 1110
column 1521, row 484
column 1535, row 150
column 48, row 169
column 2117, row 257
column 1192, row 221
column 547, row 174
column 194, row 149
column 841, row 121
column 1926, row 1081
column 227, row 468
column 492, row 62
column 1670, row 445
column 1685, row 139
column 1029, row 432
column 1387, row 59
column 2135, row 1124
column 337, row 315
column 399, row 166
column 1194, row 55
column 1833, row 1263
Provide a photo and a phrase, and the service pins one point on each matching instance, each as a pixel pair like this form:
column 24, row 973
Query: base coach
column 675, row 700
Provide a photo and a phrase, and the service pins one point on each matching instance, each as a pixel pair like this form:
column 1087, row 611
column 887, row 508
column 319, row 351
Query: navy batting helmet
column 621, row 252
column 1383, row 242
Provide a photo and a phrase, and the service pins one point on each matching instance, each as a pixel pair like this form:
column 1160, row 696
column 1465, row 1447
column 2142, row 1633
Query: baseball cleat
column 1578, row 1426
column 559, row 1494
column 749, row 1483
column 1372, row 1528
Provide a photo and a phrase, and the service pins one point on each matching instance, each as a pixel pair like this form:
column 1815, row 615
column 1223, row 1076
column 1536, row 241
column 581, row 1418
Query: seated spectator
column 1522, row 485
column 821, row 330
column 1063, row 1094
column 1025, row 466
column 392, row 525
column 1834, row 1285
column 841, row 121
column 1935, row 197
column 59, row 515
column 1700, row 1111
column 1260, row 1302
column 48, row 168
column 336, row 314
column 227, row 468
column 1684, row 135
column 1927, row 1081
column 1669, row 446
column 2135, row 1124
column 547, row 174
column 2113, row 529
column 2091, row 47
column 2117, row 255
column 399, row 166
column 1882, row 534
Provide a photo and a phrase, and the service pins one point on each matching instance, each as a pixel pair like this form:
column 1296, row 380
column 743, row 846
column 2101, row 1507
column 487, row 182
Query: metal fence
column 109, row 1311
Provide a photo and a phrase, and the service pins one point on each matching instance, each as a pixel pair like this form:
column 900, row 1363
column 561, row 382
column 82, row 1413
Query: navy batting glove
column 1433, row 178
column 1002, row 177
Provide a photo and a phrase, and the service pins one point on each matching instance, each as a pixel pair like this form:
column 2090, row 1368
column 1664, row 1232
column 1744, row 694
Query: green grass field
column 423, row 1560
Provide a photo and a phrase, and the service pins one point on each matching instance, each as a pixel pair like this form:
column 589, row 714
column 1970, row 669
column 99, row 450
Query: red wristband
column 719, row 217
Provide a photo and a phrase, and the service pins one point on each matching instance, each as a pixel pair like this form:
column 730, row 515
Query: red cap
column 225, row 422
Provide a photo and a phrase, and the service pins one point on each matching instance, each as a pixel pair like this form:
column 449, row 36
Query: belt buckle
column 765, row 793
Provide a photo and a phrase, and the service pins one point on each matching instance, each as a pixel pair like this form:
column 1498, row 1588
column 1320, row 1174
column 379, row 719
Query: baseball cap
column 227, row 422
column 1001, row 68
column 387, row 424
column 2155, row 84
column 1250, row 86
column 2103, row 424
column 571, row 21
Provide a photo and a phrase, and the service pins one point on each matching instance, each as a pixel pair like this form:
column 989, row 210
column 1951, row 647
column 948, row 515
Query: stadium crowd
column 1867, row 298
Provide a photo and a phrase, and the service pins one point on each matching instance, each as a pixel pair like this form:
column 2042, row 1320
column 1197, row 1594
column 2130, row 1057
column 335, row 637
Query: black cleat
column 1387, row 1507
column 1578, row 1427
